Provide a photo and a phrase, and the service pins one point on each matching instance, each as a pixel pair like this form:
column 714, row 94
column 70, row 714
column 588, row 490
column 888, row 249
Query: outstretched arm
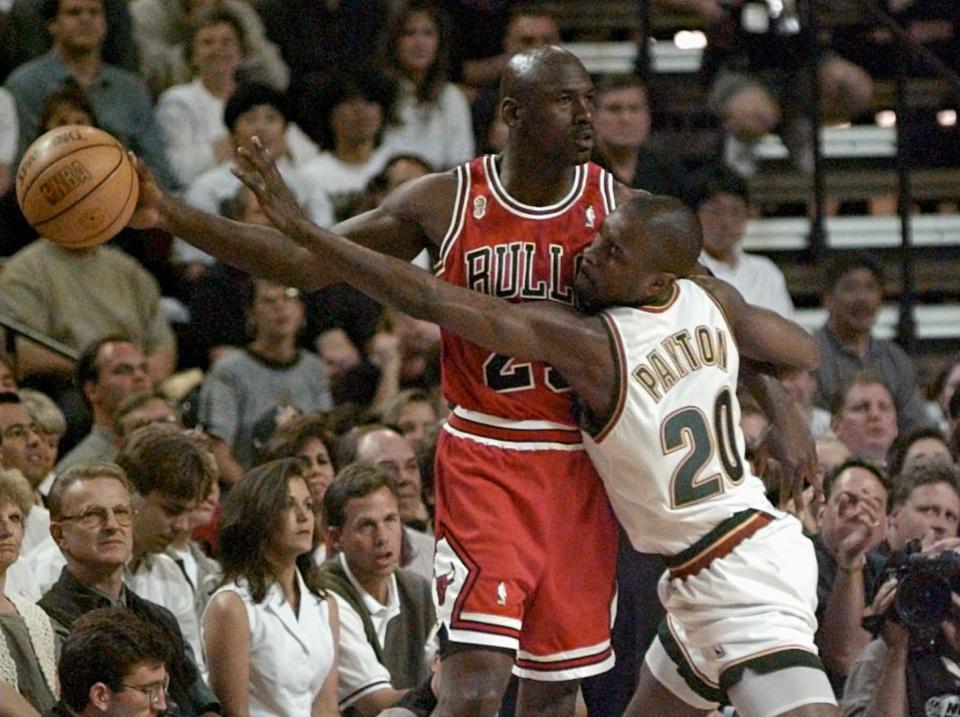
column 264, row 251
column 537, row 331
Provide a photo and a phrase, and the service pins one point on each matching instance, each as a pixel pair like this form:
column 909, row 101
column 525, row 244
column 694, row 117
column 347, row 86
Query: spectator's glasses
column 155, row 691
column 97, row 517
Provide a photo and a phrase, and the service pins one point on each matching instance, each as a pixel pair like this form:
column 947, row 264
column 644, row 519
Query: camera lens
column 923, row 599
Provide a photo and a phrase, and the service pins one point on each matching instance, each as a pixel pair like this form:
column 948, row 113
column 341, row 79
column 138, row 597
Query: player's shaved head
column 527, row 70
column 670, row 230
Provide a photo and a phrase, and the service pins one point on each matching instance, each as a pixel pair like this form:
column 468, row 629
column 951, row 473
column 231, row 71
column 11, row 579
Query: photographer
column 911, row 669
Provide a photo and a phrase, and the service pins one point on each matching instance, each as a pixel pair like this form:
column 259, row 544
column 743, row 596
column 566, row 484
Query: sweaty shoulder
column 426, row 202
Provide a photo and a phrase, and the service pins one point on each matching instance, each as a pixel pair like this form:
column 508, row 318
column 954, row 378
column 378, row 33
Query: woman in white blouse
column 433, row 115
column 270, row 606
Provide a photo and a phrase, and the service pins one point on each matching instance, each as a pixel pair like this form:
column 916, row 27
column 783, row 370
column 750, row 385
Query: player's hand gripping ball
column 76, row 186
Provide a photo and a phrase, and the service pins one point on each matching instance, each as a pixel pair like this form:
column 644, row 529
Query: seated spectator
column 271, row 634
column 384, row 447
column 925, row 504
column 413, row 412
column 171, row 474
column 621, row 120
column 386, row 613
column 271, row 371
column 28, row 36
column 255, row 111
column 852, row 297
column 916, row 443
column 433, row 116
column 116, row 664
column 852, row 523
column 943, row 388
column 77, row 296
column 27, row 659
column 164, row 36
column 865, row 418
column 21, row 447
column 723, row 205
column 91, row 518
column 801, row 386
column 51, row 426
column 191, row 113
column 120, row 99
column 350, row 121
column 755, row 65
column 399, row 169
column 108, row 371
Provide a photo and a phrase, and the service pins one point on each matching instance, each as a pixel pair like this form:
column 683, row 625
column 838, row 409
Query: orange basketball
column 76, row 186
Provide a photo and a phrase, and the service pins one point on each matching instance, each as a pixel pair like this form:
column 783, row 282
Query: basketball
column 76, row 186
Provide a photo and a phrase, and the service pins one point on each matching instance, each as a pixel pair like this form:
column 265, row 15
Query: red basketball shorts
column 526, row 545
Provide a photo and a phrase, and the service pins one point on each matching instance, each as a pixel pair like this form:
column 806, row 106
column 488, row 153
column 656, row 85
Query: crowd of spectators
column 125, row 569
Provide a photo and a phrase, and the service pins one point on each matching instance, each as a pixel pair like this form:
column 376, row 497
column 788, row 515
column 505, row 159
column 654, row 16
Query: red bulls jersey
column 499, row 246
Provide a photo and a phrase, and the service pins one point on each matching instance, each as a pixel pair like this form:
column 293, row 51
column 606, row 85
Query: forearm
column 840, row 637
column 256, row 249
column 12, row 704
column 161, row 363
column 35, row 359
column 889, row 698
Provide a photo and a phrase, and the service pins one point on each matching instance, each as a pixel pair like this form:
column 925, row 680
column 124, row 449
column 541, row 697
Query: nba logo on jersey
column 479, row 207
column 591, row 217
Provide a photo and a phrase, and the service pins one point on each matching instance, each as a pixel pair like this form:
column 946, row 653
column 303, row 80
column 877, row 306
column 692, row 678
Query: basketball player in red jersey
column 526, row 539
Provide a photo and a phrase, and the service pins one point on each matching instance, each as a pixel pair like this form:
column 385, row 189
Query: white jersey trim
column 457, row 218
column 519, row 425
column 528, row 211
column 514, row 445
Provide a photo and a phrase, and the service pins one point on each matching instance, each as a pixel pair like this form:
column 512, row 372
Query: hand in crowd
column 865, row 512
column 892, row 632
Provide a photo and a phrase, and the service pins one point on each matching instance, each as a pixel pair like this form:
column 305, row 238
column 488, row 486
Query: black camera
column 924, row 587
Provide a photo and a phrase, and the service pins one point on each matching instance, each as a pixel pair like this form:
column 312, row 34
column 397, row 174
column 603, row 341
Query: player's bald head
column 532, row 68
column 669, row 229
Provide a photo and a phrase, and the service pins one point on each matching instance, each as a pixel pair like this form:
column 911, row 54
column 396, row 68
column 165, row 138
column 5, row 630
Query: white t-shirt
column 756, row 277
column 439, row 132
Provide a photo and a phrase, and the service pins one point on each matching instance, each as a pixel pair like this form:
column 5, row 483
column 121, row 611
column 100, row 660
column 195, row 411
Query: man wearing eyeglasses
column 92, row 518
column 114, row 664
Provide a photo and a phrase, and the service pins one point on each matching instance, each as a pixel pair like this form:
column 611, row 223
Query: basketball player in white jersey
column 655, row 370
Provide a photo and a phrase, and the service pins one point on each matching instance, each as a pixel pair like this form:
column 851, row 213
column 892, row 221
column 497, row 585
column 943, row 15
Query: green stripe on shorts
column 765, row 664
column 704, row 689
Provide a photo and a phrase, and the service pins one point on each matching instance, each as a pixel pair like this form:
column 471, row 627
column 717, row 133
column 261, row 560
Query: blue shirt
column 120, row 100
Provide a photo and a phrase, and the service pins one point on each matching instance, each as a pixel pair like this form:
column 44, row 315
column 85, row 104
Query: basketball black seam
column 123, row 206
column 92, row 189
column 72, row 151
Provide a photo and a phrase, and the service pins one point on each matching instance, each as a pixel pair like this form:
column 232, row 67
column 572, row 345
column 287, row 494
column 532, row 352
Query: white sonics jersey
column 671, row 456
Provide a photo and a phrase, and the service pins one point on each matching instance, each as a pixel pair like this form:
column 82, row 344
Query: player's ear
column 510, row 111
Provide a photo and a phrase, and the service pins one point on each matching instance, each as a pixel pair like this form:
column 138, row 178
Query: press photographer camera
column 924, row 586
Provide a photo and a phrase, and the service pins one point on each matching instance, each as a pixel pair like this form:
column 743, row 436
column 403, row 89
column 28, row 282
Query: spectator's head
column 113, row 664
column 310, row 438
column 400, row 169
column 363, row 523
column 77, row 27
column 215, row 41
column 8, row 378
column 109, row 370
column 413, row 411
column 255, row 110
column 68, row 105
column 353, row 109
column 171, row 476
column 16, row 499
column 244, row 207
column 386, row 448
column 946, row 384
column 853, row 294
column 722, row 202
column 801, row 386
column 276, row 312
column 865, row 417
column 267, row 523
column 848, row 490
column 531, row 25
column 417, row 47
column 142, row 409
column 621, row 117
column 926, row 502
column 338, row 352
column 21, row 446
column 49, row 421
column 91, row 519
column 916, row 443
